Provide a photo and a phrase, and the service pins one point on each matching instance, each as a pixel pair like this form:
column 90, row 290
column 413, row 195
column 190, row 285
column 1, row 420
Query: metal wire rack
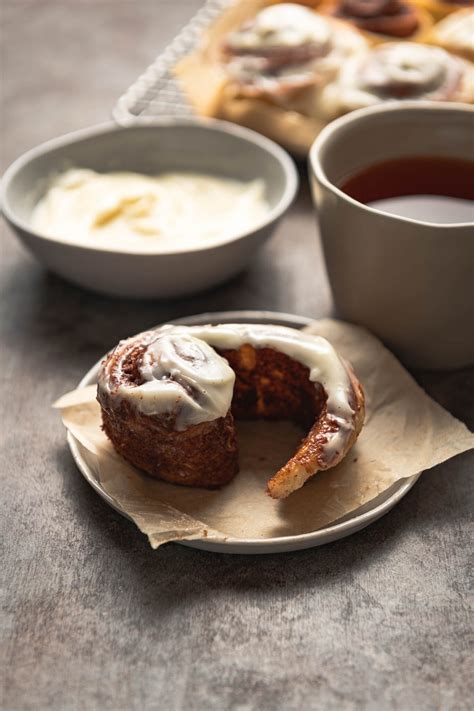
column 156, row 92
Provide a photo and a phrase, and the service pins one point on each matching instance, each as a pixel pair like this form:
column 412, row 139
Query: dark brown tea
column 425, row 188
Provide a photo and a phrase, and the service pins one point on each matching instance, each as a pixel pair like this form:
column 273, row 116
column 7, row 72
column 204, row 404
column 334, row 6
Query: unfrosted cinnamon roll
column 455, row 33
column 284, row 49
column 381, row 20
column 397, row 72
column 169, row 398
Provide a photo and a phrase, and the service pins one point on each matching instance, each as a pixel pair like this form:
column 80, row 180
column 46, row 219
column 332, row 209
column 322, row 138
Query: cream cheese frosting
column 182, row 373
column 148, row 213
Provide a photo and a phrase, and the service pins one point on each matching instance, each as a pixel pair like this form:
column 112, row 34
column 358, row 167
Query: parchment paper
column 211, row 93
column 405, row 432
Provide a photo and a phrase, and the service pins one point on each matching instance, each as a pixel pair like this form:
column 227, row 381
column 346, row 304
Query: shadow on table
column 80, row 326
column 48, row 307
column 437, row 501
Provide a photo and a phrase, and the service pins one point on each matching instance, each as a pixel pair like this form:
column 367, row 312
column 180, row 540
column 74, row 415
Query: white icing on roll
column 393, row 71
column 289, row 45
column 183, row 375
column 284, row 25
column 404, row 65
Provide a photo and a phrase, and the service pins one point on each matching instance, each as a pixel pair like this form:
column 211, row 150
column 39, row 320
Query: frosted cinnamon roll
column 455, row 33
column 398, row 72
column 169, row 397
column 286, row 48
column 381, row 19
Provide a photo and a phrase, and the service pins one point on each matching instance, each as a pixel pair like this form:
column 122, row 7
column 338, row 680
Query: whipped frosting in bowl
column 237, row 156
column 173, row 211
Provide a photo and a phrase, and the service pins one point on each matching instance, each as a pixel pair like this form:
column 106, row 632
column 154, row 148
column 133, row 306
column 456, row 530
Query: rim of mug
column 360, row 115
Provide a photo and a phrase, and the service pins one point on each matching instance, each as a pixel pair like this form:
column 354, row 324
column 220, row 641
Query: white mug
column 410, row 282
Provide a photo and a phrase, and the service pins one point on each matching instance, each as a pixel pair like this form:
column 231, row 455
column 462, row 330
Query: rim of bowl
column 359, row 115
column 246, row 134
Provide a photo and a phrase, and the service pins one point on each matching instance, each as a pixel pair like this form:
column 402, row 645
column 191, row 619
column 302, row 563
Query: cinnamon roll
column 284, row 49
column 169, row 398
column 455, row 33
column 381, row 20
column 398, row 72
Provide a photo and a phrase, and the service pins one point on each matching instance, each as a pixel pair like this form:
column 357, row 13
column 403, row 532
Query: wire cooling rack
column 156, row 92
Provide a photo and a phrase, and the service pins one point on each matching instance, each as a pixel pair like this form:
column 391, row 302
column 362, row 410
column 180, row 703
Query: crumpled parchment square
column 405, row 432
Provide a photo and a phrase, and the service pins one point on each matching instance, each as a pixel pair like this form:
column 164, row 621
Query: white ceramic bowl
column 410, row 282
column 170, row 144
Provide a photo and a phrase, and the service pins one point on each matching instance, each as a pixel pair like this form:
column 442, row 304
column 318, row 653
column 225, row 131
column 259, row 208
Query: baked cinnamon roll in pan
column 169, row 398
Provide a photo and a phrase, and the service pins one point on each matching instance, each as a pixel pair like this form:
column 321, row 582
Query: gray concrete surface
column 92, row 617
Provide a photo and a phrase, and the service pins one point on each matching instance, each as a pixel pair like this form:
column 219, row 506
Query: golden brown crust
column 203, row 455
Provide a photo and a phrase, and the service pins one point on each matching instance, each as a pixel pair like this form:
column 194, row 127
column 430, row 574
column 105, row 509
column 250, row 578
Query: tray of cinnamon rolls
column 287, row 69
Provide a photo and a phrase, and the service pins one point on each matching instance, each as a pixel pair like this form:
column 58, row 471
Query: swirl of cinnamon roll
column 159, row 370
column 169, row 398
column 165, row 401
column 393, row 18
column 286, row 47
column 398, row 71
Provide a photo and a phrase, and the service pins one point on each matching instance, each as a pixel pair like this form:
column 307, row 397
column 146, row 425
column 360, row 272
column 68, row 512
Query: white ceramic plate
column 345, row 527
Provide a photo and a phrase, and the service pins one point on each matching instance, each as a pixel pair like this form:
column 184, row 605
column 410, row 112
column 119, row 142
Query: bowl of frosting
column 155, row 210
